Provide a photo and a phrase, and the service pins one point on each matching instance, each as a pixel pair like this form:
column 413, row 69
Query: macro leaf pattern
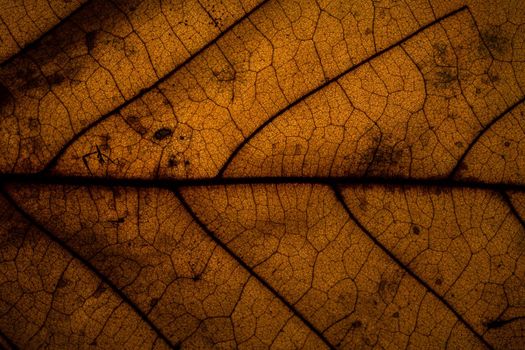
column 194, row 174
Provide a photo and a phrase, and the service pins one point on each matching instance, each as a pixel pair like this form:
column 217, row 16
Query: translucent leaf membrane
column 411, row 112
column 272, row 58
column 466, row 244
column 410, row 106
column 300, row 239
column 147, row 245
column 262, row 174
column 98, row 59
column 48, row 298
column 23, row 22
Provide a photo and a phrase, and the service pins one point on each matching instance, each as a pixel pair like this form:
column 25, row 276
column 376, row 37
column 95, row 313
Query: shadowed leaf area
column 254, row 174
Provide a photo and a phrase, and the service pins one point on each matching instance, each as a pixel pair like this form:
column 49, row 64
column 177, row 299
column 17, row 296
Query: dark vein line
column 514, row 211
column 487, row 127
column 340, row 198
column 35, row 42
column 52, row 163
column 328, row 82
column 90, row 266
column 8, row 341
column 35, row 179
column 249, row 269
column 501, row 323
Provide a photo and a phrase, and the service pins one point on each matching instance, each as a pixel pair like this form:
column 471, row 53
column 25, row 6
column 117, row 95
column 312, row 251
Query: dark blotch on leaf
column 63, row 282
column 507, row 143
column 495, row 324
column 395, row 315
column 30, row 78
column 161, row 134
column 172, row 162
column 445, row 78
column 5, row 96
column 416, row 230
column 153, row 302
column 56, row 78
column 357, row 324
column 495, row 40
column 91, row 38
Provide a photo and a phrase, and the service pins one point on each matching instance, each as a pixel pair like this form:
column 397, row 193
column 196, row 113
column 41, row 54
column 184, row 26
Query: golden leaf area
column 253, row 174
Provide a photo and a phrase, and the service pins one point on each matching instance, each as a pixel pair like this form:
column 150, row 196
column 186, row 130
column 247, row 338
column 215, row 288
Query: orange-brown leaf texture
column 262, row 174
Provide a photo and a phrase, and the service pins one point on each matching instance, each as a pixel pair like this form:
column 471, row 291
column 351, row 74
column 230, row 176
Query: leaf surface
column 264, row 174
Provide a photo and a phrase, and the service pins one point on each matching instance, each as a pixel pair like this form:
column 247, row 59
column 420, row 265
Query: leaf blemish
column 5, row 96
column 357, row 324
column 153, row 302
column 495, row 40
column 163, row 133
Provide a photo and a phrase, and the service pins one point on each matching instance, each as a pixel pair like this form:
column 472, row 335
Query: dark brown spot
column 395, row 315
column 444, row 78
column 186, row 162
column 56, row 78
column 63, row 282
column 463, row 167
column 91, row 38
column 161, row 134
column 30, row 78
column 439, row 281
column 172, row 162
column 494, row 77
column 153, row 302
column 507, row 143
column 5, row 96
column 495, row 40
column 416, row 230
column 356, row 324
column 135, row 124
column 440, row 48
